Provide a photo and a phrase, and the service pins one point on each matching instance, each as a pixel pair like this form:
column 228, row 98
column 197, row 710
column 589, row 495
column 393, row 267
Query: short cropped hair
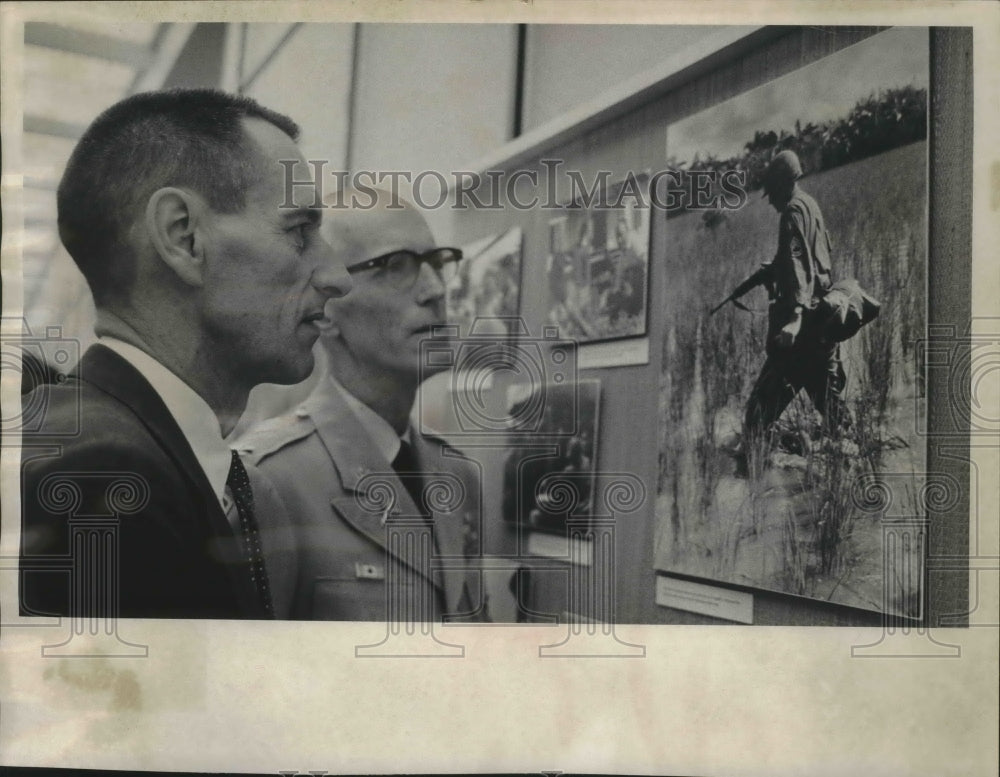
column 190, row 138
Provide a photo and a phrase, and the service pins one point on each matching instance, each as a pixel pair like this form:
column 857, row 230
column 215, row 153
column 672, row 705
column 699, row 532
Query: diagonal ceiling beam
column 166, row 49
column 54, row 127
column 41, row 184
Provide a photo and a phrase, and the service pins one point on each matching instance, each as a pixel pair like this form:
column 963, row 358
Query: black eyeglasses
column 401, row 268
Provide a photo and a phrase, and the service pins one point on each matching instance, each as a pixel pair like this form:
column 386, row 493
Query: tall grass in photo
column 789, row 524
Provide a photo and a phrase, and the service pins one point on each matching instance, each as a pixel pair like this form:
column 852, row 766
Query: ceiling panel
column 134, row 32
column 45, row 156
column 38, row 204
column 71, row 87
column 261, row 40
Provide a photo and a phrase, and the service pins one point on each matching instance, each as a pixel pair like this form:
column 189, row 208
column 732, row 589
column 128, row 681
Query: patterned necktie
column 239, row 484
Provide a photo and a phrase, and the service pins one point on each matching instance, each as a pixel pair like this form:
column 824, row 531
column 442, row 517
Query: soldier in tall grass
column 797, row 278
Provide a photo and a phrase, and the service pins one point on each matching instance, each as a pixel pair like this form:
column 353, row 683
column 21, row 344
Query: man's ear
column 172, row 216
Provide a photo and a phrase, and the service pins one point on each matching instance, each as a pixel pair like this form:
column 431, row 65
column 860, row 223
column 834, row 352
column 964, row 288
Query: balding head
column 361, row 233
column 375, row 333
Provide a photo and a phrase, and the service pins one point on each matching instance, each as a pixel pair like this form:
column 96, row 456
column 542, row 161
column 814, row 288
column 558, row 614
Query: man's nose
column 429, row 285
column 331, row 277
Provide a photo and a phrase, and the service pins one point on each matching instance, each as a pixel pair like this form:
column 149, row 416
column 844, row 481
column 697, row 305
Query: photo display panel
column 799, row 507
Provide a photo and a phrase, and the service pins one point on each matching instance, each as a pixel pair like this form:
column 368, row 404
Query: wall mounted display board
column 803, row 510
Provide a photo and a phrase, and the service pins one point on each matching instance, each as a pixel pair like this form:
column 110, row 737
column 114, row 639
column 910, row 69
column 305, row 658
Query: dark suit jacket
column 110, row 476
column 334, row 482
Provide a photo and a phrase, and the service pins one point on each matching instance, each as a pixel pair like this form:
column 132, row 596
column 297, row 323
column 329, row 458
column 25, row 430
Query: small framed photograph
column 542, row 490
column 488, row 283
column 598, row 265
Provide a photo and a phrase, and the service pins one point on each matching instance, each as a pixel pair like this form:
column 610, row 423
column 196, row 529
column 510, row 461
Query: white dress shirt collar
column 196, row 419
column 386, row 441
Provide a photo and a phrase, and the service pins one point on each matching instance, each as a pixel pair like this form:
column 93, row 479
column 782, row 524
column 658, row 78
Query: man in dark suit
column 207, row 281
column 388, row 517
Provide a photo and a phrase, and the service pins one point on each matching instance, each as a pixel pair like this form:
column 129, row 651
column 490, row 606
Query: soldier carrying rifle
column 797, row 278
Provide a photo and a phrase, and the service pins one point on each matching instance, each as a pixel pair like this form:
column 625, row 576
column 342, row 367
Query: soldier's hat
column 784, row 170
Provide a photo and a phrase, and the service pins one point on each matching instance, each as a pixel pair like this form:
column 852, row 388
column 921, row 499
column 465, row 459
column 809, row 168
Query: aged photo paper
column 686, row 617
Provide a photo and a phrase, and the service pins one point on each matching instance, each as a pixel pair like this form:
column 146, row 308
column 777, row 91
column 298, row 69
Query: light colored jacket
column 353, row 520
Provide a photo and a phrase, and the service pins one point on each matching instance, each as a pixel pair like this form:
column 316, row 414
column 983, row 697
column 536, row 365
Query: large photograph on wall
column 598, row 265
column 772, row 429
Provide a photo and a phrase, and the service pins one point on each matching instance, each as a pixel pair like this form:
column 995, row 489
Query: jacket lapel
column 105, row 369
column 449, row 526
column 364, row 475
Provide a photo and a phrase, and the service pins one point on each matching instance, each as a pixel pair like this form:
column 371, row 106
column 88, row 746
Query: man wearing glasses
column 387, row 518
